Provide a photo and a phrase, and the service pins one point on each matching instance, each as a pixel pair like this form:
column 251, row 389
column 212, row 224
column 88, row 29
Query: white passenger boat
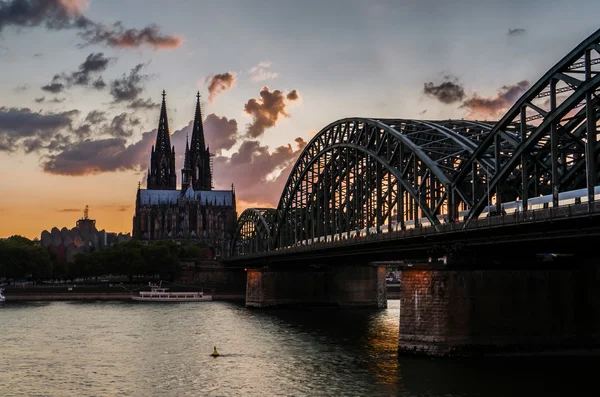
column 159, row 294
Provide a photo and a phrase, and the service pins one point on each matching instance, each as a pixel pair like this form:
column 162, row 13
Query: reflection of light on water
column 381, row 341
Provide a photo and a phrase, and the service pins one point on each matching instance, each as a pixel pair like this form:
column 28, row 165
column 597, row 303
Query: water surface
column 146, row 349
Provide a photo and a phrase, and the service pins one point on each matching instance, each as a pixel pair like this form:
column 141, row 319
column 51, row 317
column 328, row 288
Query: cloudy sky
column 81, row 83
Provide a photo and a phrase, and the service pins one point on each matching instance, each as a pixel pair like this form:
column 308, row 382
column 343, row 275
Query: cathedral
column 195, row 211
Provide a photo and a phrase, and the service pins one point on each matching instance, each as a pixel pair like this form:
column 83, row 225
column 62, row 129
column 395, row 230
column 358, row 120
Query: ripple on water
column 122, row 349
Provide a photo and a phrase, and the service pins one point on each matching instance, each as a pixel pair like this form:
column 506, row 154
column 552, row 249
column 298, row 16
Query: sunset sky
column 81, row 83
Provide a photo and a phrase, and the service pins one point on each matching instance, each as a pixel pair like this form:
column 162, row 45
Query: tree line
column 22, row 259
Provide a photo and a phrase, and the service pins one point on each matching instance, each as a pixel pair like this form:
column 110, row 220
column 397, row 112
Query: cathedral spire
column 162, row 136
column 198, row 143
column 200, row 168
column 162, row 159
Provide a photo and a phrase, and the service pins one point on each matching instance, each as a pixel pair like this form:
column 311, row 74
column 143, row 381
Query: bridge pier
column 340, row 286
column 467, row 312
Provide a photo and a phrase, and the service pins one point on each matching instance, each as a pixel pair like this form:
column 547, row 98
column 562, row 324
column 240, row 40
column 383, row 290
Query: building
column 84, row 237
column 195, row 211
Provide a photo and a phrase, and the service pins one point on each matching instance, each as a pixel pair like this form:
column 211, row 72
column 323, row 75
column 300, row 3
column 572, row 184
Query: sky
column 81, row 86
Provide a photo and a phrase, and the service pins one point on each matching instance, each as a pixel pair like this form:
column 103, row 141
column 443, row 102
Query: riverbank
column 90, row 293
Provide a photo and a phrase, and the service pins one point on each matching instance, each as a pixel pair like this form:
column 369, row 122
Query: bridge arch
column 557, row 139
column 360, row 174
column 253, row 231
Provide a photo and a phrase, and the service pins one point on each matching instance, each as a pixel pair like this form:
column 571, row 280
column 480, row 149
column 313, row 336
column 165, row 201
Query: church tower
column 186, row 170
column 162, row 175
column 201, row 173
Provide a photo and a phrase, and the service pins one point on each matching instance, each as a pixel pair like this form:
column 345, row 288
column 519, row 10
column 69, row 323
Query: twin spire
column 196, row 169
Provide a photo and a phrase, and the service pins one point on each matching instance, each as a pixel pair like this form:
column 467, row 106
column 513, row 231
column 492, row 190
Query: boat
column 159, row 294
column 2, row 297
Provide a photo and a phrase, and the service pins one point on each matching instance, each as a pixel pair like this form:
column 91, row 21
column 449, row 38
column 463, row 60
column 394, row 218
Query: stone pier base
column 454, row 313
column 340, row 286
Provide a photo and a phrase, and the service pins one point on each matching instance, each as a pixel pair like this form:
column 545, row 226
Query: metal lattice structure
column 362, row 175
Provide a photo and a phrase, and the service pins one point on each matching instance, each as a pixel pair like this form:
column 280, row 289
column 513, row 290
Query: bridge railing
column 525, row 217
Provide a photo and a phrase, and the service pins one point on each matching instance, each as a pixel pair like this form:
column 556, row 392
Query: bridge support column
column 340, row 286
column 461, row 313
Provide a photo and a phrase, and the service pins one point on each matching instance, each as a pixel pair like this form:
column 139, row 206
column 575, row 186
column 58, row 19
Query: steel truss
column 361, row 175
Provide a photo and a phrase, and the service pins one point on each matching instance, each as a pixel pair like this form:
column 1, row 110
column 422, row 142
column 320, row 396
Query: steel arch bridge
column 365, row 175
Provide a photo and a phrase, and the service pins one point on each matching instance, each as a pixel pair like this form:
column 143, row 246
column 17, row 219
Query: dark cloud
column 34, row 130
column 143, row 104
column 99, row 84
column 221, row 133
column 55, row 86
column 494, row 107
column 93, row 156
column 38, row 55
column 122, row 125
column 67, row 14
column 447, row 92
column 516, row 32
column 219, row 83
column 83, row 131
column 267, row 109
column 129, row 87
column 96, row 117
column 103, row 155
column 53, row 100
column 251, row 165
column 94, row 63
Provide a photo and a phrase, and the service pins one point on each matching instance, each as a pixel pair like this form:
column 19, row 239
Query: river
column 145, row 349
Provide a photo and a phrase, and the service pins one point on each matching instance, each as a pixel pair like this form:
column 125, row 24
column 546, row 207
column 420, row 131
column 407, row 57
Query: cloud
column 447, row 92
column 219, row 83
column 119, row 36
column 22, row 87
column 90, row 157
column 267, row 109
column 53, row 100
column 94, row 156
column 250, row 168
column 68, row 14
column 94, row 63
column 33, row 130
column 69, row 210
column 121, row 125
column 221, row 133
column 516, row 32
column 96, row 117
column 143, row 104
column 494, row 107
column 129, row 87
column 55, row 86
column 261, row 72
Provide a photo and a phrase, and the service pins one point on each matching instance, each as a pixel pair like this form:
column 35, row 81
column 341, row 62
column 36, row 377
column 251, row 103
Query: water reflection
column 91, row 349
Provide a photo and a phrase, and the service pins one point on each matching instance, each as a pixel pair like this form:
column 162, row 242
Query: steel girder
column 253, row 231
column 362, row 174
column 557, row 141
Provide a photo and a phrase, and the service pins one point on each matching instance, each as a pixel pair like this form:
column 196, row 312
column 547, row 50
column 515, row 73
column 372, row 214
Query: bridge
column 460, row 204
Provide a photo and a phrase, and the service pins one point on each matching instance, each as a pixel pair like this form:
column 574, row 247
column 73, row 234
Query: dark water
column 127, row 349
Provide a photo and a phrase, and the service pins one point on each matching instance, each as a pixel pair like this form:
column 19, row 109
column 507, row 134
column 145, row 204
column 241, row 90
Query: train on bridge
column 572, row 197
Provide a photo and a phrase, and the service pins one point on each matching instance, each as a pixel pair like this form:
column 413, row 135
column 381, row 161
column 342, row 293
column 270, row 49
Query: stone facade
column 445, row 313
column 195, row 211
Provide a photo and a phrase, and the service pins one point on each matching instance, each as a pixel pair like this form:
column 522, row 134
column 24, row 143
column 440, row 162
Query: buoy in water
column 215, row 353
